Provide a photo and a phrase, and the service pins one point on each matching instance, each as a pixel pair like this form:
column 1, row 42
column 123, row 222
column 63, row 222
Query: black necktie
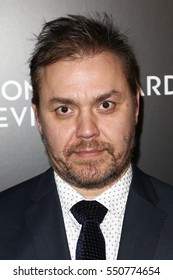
column 91, row 243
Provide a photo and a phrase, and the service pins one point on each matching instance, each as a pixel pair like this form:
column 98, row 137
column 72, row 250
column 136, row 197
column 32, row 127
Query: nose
column 87, row 126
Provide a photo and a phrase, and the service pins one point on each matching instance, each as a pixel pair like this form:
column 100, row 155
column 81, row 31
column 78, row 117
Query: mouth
column 89, row 153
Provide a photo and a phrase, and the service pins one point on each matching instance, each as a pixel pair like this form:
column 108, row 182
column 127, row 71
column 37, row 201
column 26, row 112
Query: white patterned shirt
column 114, row 199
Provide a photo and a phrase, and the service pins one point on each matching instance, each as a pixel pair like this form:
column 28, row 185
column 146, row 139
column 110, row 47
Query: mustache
column 88, row 144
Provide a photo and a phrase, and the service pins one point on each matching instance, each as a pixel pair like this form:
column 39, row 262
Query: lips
column 88, row 149
column 89, row 153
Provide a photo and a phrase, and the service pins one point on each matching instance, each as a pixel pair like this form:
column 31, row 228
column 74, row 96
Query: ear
column 37, row 117
column 137, row 105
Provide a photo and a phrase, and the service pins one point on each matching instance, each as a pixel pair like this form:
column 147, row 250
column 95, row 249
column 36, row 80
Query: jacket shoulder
column 157, row 188
column 19, row 195
column 157, row 183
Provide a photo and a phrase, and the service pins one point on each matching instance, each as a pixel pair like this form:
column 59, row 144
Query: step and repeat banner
column 149, row 25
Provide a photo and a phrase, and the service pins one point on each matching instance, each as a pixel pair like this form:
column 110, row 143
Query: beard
column 91, row 173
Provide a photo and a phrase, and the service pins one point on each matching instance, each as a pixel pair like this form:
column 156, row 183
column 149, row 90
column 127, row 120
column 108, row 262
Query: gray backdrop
column 149, row 24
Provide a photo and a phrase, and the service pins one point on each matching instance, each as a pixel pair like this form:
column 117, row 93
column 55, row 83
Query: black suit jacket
column 32, row 227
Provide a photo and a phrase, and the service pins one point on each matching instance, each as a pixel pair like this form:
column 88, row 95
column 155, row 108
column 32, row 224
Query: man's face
column 87, row 119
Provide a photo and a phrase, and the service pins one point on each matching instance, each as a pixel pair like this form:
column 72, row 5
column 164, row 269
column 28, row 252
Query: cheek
column 57, row 136
column 115, row 130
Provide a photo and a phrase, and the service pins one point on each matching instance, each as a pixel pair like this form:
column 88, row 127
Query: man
column 86, row 92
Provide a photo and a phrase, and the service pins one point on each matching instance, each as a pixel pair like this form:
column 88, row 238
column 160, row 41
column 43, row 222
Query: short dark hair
column 76, row 36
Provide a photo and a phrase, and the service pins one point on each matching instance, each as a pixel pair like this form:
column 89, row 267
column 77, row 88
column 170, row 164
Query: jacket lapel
column 143, row 221
column 45, row 221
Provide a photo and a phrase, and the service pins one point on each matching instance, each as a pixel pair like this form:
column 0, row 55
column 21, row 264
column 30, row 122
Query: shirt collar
column 114, row 198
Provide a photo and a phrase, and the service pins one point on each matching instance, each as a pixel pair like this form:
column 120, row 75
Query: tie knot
column 89, row 211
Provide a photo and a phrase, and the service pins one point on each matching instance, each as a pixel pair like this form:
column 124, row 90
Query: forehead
column 89, row 75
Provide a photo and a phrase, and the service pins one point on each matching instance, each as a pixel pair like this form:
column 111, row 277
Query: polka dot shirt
column 114, row 199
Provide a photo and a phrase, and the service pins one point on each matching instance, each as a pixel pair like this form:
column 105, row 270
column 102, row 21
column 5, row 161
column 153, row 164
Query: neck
column 93, row 193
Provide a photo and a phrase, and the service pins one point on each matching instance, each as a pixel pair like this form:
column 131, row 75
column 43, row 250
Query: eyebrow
column 97, row 99
column 104, row 96
column 67, row 101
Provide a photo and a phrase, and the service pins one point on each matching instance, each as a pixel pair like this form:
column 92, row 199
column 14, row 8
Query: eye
column 106, row 105
column 63, row 110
